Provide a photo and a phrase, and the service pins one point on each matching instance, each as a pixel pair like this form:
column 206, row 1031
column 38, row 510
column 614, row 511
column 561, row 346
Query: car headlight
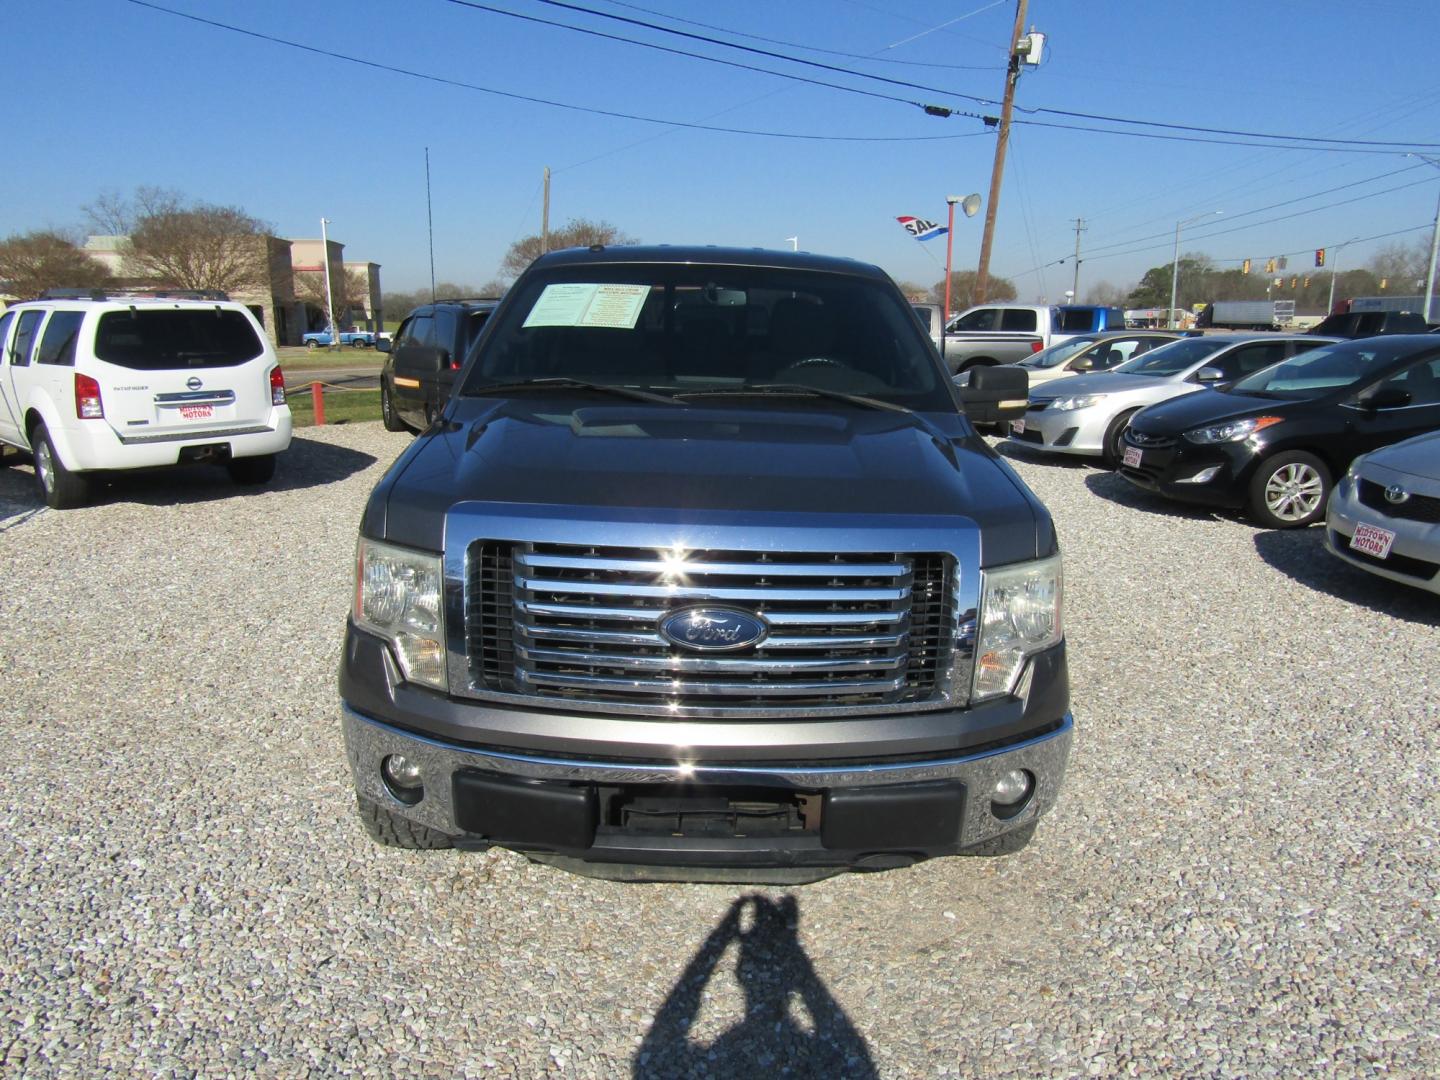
column 1079, row 401
column 399, row 596
column 1231, row 430
column 1019, row 616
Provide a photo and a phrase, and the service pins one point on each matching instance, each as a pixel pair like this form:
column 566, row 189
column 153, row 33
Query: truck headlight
column 1078, row 401
column 1019, row 616
column 399, row 596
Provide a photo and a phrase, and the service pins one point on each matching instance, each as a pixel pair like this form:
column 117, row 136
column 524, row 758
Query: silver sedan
column 1088, row 414
column 1384, row 516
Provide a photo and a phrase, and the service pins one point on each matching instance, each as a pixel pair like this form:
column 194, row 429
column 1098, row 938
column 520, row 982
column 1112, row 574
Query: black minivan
column 425, row 355
column 1275, row 441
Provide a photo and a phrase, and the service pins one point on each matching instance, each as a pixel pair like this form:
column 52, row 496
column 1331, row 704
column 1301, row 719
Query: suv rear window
column 156, row 340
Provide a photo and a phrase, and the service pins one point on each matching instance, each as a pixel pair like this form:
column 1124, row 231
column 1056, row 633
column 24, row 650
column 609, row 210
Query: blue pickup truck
column 359, row 339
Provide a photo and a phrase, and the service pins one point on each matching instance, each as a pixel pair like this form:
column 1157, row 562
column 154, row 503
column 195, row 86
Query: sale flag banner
column 921, row 229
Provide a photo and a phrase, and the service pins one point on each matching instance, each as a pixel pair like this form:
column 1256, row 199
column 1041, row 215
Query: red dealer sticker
column 1372, row 540
column 197, row 412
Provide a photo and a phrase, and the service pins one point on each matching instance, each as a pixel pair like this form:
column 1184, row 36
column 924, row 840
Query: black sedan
column 1275, row 441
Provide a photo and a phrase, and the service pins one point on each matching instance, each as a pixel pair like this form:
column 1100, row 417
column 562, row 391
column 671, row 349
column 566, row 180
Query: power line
column 579, row 9
column 459, row 84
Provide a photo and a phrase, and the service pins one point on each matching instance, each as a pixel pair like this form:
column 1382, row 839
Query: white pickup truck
column 1007, row 333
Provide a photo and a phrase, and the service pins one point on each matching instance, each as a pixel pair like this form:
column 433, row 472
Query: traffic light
column 1245, row 267
column 1307, row 281
column 1269, row 266
column 1319, row 256
column 1294, row 280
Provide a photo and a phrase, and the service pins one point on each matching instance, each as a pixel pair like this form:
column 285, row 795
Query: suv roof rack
column 134, row 294
column 465, row 300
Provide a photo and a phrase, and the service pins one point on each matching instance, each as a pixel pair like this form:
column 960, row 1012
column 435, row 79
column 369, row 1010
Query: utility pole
column 1012, row 76
column 1075, row 287
column 545, row 216
column 430, row 224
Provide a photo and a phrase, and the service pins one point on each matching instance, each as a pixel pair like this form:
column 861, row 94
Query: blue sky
column 105, row 95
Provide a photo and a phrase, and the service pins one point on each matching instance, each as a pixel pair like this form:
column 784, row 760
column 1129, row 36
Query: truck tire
column 258, row 469
column 387, row 411
column 59, row 487
column 390, row 829
column 312, row 344
column 1007, row 844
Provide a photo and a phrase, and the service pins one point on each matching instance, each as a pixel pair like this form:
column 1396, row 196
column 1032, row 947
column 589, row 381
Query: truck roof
column 709, row 255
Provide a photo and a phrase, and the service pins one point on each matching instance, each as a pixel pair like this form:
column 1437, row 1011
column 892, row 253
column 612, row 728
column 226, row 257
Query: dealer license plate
column 1372, row 540
column 1017, row 427
column 1132, row 457
column 197, row 412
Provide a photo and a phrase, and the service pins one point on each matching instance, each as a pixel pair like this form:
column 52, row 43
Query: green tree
column 578, row 232
column 962, row 288
column 46, row 259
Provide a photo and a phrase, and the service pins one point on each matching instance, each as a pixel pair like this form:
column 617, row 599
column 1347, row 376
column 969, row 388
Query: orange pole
column 317, row 398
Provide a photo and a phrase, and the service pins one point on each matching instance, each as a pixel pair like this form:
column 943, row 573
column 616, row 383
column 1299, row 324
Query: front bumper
column 865, row 815
column 1414, row 556
column 1172, row 471
column 1071, row 431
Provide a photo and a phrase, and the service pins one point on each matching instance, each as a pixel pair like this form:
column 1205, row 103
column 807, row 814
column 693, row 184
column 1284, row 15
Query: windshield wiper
column 562, row 383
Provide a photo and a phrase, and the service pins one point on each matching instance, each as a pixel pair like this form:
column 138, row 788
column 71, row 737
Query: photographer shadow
column 778, row 982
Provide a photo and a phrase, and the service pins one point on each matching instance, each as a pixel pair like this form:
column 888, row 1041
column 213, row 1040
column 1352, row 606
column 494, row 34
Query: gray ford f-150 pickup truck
column 703, row 573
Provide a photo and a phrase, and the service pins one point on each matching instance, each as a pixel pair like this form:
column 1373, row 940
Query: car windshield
column 176, row 338
column 1172, row 359
column 681, row 329
column 1319, row 371
column 1056, row 355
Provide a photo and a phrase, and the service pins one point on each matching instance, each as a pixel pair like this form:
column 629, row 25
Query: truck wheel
column 251, row 470
column 59, row 487
column 1007, row 844
column 312, row 344
column 389, row 828
column 1113, row 448
column 387, row 411
column 1289, row 491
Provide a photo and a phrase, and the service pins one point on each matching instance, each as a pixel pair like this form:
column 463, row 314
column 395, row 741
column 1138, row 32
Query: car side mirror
column 995, row 394
column 1210, row 375
column 1084, row 363
column 1385, row 397
column 383, row 344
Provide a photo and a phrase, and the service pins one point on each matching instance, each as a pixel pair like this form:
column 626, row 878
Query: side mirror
column 1209, row 375
column 383, row 344
column 1385, row 397
column 1084, row 363
column 995, row 395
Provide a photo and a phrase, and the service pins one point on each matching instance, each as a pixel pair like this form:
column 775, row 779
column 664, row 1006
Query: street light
column 1434, row 241
column 970, row 205
column 794, row 242
column 329, row 296
column 1335, row 272
column 1175, row 265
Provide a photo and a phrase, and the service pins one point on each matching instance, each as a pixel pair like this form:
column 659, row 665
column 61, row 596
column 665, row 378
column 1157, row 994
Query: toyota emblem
column 1396, row 494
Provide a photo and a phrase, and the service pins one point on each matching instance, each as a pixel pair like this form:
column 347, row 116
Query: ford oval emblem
column 194, row 382
column 708, row 629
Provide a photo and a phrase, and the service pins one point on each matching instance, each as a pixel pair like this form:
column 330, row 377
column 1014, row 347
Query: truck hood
column 692, row 461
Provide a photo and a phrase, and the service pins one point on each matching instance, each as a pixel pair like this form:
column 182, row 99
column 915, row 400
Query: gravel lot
column 1241, row 878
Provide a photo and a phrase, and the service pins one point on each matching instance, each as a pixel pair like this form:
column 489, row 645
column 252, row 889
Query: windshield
column 1174, row 358
column 176, row 338
column 1056, row 355
column 1319, row 371
column 678, row 329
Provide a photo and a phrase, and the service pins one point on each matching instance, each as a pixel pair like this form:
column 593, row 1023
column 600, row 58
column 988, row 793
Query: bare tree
column 348, row 289
column 45, row 259
column 200, row 247
column 1401, row 265
column 962, row 290
column 1105, row 294
column 578, row 232
column 112, row 214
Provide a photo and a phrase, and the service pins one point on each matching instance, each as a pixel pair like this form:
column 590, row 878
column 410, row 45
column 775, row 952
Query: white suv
column 128, row 382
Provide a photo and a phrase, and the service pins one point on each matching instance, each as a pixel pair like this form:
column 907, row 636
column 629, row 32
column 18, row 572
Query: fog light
column 1204, row 476
column 402, row 777
column 1011, row 788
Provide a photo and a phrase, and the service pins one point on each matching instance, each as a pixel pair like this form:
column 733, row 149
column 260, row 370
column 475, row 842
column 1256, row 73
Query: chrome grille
column 581, row 623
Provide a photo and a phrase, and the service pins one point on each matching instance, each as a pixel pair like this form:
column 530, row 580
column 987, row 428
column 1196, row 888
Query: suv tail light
column 277, row 386
column 88, row 405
